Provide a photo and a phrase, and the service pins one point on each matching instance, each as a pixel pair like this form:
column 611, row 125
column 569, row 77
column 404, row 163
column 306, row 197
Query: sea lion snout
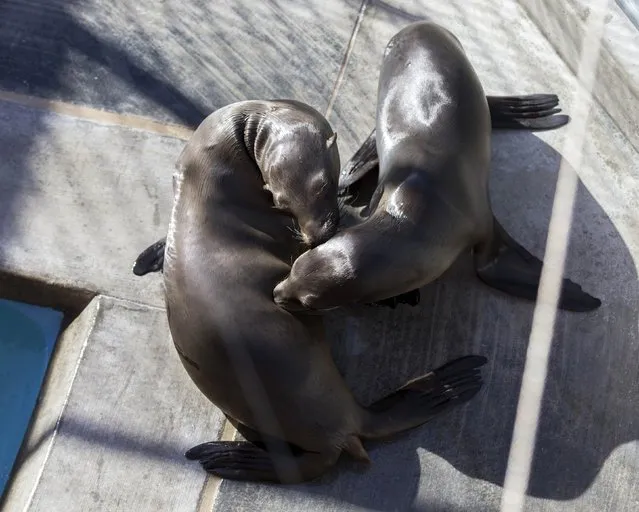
column 316, row 232
column 284, row 296
column 287, row 296
column 292, row 305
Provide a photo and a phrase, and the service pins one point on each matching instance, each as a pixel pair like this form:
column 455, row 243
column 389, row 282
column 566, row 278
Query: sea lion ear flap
column 331, row 140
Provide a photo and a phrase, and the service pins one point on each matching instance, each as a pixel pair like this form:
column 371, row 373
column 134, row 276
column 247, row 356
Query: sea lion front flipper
column 503, row 264
column 526, row 112
column 150, row 259
column 361, row 163
column 424, row 398
column 411, row 298
column 239, row 460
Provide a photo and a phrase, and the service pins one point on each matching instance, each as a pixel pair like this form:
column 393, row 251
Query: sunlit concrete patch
column 564, row 24
column 130, row 415
column 80, row 200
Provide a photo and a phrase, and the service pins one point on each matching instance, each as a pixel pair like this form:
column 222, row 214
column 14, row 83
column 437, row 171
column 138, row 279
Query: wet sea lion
column 269, row 371
column 431, row 202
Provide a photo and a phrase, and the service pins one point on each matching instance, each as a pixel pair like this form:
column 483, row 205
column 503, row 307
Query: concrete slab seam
column 131, row 302
column 98, row 116
column 211, row 487
column 347, row 56
column 64, row 405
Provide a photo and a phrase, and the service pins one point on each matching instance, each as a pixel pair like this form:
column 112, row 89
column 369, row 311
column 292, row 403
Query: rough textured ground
column 80, row 197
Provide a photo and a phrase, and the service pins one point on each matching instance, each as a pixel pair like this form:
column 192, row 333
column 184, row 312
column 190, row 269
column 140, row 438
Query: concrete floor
column 82, row 194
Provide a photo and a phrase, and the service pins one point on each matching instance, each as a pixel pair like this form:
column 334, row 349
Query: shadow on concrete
column 112, row 440
column 47, row 51
column 40, row 51
column 588, row 408
column 125, row 442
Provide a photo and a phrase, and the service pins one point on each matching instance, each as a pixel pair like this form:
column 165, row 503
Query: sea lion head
column 302, row 172
column 320, row 279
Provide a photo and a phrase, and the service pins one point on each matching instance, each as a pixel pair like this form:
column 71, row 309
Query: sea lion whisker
column 297, row 234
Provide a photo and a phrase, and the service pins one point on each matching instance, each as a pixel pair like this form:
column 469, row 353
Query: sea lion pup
column 269, row 371
column 431, row 203
column 522, row 112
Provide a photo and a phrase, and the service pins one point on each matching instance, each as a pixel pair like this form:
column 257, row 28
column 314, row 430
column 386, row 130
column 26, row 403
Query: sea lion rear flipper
column 526, row 112
column 503, row 264
column 262, row 440
column 150, row 259
column 239, row 460
column 424, row 398
column 411, row 298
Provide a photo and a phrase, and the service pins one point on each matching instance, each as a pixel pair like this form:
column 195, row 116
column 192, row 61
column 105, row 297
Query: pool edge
column 49, row 409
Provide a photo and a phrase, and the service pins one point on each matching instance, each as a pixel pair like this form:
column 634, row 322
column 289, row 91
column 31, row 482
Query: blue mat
column 27, row 337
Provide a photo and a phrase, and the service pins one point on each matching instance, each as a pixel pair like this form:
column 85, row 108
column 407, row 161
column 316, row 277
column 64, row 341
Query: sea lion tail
column 150, row 259
column 503, row 264
column 526, row 112
column 424, row 398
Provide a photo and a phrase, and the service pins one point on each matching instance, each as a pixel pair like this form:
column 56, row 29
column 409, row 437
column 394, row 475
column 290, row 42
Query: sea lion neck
column 258, row 138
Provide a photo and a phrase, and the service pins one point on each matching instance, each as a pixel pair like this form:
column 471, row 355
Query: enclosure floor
column 96, row 99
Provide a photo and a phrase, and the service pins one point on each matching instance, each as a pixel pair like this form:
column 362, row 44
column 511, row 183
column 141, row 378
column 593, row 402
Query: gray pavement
column 79, row 198
column 566, row 23
column 129, row 414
